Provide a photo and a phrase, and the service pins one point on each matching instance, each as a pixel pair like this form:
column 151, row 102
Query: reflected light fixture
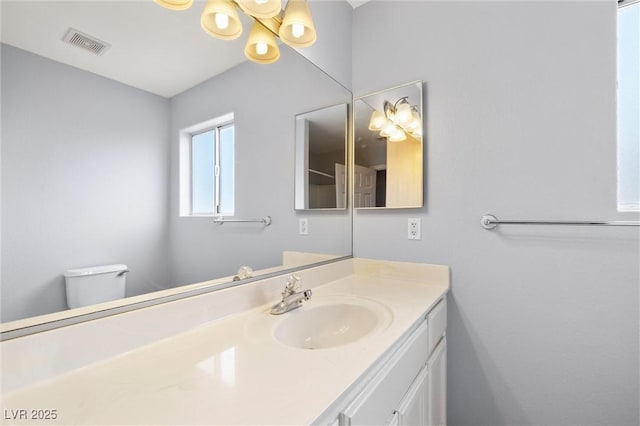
column 220, row 19
column 397, row 120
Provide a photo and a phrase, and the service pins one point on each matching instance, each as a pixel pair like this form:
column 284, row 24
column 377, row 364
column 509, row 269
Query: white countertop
column 231, row 370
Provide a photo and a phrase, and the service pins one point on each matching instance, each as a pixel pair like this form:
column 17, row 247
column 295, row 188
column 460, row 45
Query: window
column 628, row 106
column 207, row 168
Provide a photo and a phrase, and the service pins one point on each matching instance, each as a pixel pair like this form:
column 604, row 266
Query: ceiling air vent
column 86, row 42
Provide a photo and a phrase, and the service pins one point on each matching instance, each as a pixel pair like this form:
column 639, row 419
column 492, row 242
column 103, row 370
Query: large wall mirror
column 91, row 153
column 321, row 158
column 388, row 148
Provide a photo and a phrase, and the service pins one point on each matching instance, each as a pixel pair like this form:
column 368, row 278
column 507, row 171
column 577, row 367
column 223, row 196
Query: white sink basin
column 330, row 325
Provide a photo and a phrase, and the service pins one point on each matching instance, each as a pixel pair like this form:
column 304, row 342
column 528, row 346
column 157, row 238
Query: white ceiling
column 155, row 49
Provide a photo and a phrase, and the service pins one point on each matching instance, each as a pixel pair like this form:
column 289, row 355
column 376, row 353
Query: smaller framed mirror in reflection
column 321, row 154
column 388, row 148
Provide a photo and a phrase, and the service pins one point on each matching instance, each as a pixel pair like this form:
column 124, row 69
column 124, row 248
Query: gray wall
column 84, row 172
column 520, row 122
column 265, row 100
column 332, row 49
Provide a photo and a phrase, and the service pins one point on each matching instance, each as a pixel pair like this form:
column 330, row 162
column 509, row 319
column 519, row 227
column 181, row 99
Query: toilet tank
column 97, row 284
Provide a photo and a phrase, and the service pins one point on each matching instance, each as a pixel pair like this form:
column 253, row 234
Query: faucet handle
column 293, row 284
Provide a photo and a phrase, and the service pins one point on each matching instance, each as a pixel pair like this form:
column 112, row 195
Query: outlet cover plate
column 303, row 226
column 413, row 228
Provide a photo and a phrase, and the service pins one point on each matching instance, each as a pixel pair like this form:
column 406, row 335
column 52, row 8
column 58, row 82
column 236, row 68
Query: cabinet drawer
column 437, row 320
column 383, row 394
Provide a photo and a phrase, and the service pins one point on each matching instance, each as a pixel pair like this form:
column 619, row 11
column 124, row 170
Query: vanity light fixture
column 220, row 19
column 397, row 120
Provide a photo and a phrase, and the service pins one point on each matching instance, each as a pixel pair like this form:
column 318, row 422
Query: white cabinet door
column 437, row 388
column 413, row 407
column 382, row 396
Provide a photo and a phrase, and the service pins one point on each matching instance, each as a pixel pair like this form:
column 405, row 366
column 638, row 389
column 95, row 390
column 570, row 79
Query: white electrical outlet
column 413, row 228
column 303, row 226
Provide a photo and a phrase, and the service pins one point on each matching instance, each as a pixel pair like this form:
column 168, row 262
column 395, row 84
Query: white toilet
column 88, row 286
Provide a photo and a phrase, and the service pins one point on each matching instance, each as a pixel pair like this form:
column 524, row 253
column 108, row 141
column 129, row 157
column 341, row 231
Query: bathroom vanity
column 369, row 347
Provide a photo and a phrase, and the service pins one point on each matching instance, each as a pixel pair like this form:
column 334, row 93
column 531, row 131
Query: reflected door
column 364, row 191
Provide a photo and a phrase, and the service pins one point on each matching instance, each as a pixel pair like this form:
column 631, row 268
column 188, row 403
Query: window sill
column 628, row 207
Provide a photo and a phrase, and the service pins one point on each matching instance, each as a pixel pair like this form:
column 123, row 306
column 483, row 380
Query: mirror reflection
column 321, row 148
column 94, row 153
column 388, row 148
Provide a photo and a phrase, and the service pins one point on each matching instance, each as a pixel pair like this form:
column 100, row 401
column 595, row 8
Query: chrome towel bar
column 221, row 220
column 489, row 221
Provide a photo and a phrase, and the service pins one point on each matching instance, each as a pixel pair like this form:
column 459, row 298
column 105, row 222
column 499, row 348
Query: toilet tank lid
column 95, row 270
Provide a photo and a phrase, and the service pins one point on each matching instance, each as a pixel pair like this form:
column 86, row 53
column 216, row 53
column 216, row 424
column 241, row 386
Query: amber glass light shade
column 297, row 29
column 261, row 45
column 175, row 4
column 263, row 9
column 214, row 26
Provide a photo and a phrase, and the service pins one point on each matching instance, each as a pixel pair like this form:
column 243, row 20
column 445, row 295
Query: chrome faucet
column 290, row 298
